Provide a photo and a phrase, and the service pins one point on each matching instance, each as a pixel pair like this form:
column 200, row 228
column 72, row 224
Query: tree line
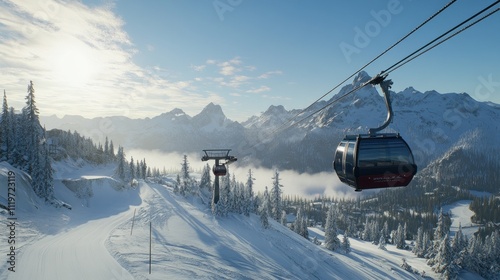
column 23, row 144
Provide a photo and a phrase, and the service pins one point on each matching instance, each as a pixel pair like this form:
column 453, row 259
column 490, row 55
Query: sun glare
column 73, row 64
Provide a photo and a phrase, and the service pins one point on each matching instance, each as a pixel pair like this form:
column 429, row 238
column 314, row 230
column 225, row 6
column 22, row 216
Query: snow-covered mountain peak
column 211, row 118
column 361, row 78
column 279, row 109
column 212, row 110
column 175, row 114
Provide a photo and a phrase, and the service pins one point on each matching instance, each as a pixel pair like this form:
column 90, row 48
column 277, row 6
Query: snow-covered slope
column 21, row 193
column 97, row 241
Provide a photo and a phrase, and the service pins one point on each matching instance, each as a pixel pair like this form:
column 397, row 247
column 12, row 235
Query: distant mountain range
column 436, row 126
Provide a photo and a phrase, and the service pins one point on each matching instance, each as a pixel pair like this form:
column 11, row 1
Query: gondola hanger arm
column 385, row 85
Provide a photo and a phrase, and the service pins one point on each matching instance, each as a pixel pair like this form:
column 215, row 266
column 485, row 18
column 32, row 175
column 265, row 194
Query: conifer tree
column 442, row 262
column 106, row 147
column 400, row 239
column 382, row 243
column 276, row 200
column 132, row 168
column 48, row 178
column 177, row 184
column 144, row 171
column 32, row 130
column 298, row 226
column 264, row 210
column 346, row 244
column 111, row 150
column 5, row 131
column 332, row 242
column 250, row 201
column 458, row 243
column 206, row 180
column 284, row 220
column 418, row 248
column 122, row 162
column 185, row 186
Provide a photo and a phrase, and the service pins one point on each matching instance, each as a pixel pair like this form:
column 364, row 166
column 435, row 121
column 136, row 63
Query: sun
column 74, row 64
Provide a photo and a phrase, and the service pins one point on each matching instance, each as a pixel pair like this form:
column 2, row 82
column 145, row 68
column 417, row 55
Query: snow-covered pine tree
column 233, row 200
column 144, row 170
column 443, row 261
column 225, row 193
column 346, row 244
column 275, row 194
column 185, row 186
column 418, row 248
column 375, row 232
column 122, row 163
column 367, row 231
column 284, row 220
column 382, row 243
column 111, row 152
column 250, row 201
column 18, row 139
column 177, row 184
column 300, row 224
column 206, row 180
column 106, row 147
column 132, row 168
column 5, row 130
column 332, row 242
column 426, row 245
column 47, row 171
column 242, row 202
column 264, row 210
column 385, row 231
column 33, row 149
column 442, row 229
column 400, row 240
column 32, row 130
column 458, row 242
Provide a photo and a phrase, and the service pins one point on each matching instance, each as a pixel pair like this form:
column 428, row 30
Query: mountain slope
column 189, row 243
column 432, row 123
column 95, row 239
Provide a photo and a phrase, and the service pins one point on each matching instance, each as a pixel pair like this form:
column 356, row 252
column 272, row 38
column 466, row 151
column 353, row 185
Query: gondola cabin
column 374, row 161
column 219, row 170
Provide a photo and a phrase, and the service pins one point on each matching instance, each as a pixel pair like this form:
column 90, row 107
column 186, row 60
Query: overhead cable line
column 442, row 35
column 395, row 66
column 370, row 62
column 409, row 57
column 445, row 39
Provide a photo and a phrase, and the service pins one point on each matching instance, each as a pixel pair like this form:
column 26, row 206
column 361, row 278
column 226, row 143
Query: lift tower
column 218, row 169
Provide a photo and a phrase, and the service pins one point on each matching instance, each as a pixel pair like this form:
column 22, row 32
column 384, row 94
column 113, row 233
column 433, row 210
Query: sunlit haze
column 294, row 183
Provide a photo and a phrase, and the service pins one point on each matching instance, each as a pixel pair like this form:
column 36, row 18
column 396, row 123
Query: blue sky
column 142, row 58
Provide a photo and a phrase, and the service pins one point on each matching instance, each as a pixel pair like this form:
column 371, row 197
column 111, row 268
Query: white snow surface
column 461, row 215
column 95, row 239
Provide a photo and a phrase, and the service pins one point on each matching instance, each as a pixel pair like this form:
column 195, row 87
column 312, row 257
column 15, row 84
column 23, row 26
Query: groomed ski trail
column 78, row 253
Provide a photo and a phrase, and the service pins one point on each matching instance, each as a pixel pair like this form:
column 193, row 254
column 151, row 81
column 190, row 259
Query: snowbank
column 101, row 192
column 24, row 197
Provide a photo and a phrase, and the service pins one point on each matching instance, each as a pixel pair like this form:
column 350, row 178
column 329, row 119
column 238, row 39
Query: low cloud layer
column 294, row 183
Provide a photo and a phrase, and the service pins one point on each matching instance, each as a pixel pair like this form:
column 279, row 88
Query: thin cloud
column 268, row 74
column 199, row 68
column 81, row 56
column 259, row 89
